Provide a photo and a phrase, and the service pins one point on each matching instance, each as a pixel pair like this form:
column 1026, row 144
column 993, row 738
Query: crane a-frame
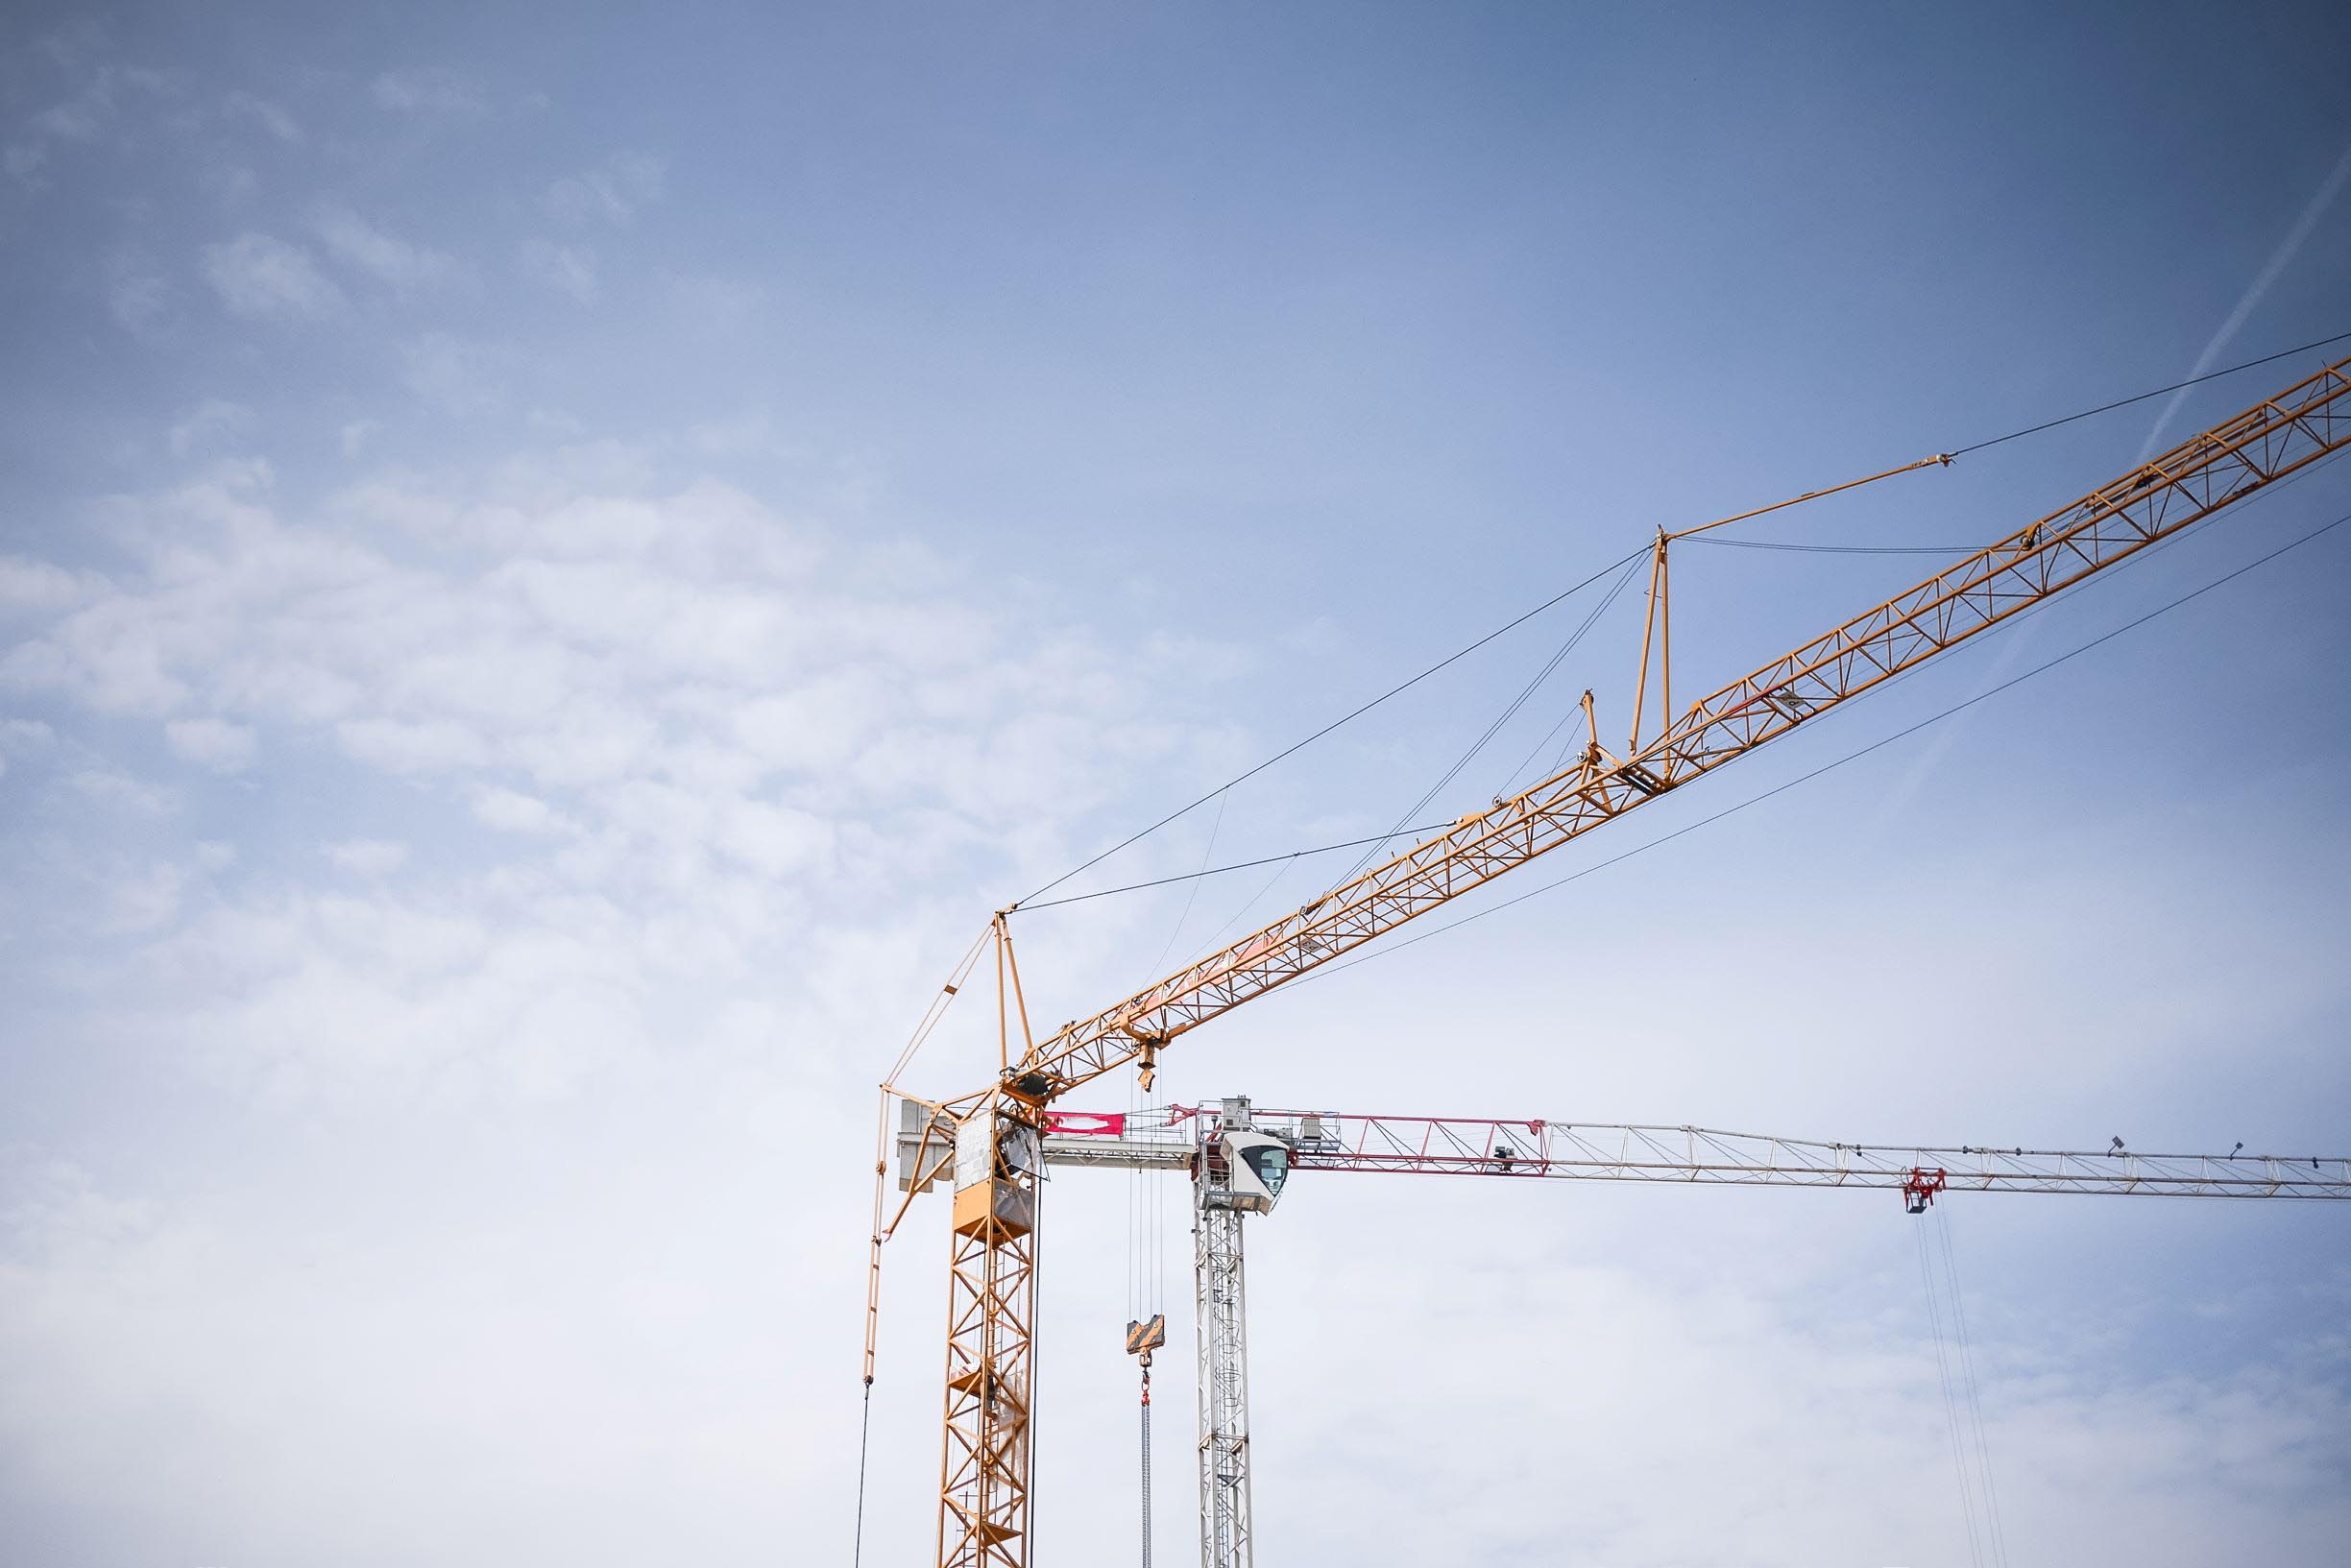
column 994, row 1149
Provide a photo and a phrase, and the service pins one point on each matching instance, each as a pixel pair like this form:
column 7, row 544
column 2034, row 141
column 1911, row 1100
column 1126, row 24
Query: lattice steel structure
column 984, row 1499
column 1221, row 1334
column 2113, row 522
column 991, row 1371
column 1424, row 1145
column 1182, row 1140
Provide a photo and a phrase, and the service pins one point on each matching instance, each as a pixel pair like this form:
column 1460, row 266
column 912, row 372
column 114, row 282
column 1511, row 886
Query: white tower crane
column 989, row 1135
column 1239, row 1158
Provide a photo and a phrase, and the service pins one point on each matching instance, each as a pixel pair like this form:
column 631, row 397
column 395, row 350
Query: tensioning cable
column 1518, row 620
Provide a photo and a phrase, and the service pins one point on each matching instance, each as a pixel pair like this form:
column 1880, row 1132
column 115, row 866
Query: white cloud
column 430, row 91
column 367, row 856
column 213, row 743
column 454, row 373
column 208, row 424
column 82, row 117
column 393, row 262
column 721, row 741
column 748, row 433
column 32, row 585
column 136, row 294
column 23, row 734
column 230, row 184
column 143, row 900
column 113, row 789
column 412, row 747
column 713, row 304
column 614, row 192
column 242, row 104
column 258, row 275
column 510, row 811
column 666, row 685
column 567, row 269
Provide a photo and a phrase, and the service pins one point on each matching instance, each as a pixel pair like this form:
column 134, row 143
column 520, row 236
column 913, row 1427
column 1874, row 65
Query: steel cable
column 1494, row 728
column 1830, row 765
column 856, row 1553
column 1345, row 719
column 1996, row 1531
column 1519, row 620
column 2140, row 397
column 1950, row 1402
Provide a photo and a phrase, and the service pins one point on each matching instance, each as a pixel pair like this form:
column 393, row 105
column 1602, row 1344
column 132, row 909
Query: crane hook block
column 1920, row 1190
column 1145, row 1337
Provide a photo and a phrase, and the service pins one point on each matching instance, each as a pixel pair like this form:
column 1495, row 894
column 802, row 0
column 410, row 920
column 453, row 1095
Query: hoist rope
column 1950, row 1402
column 1349, row 717
column 1998, row 1529
column 865, row 1431
column 1622, row 583
column 1224, row 798
column 1234, row 919
column 1281, row 862
column 1855, row 755
column 1837, row 550
column 1454, row 658
column 1284, row 859
column 1502, row 718
column 1217, row 871
column 2143, row 396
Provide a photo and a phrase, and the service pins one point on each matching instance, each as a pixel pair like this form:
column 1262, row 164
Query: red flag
column 1087, row 1123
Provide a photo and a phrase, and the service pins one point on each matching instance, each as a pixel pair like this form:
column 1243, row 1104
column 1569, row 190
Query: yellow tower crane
column 990, row 1140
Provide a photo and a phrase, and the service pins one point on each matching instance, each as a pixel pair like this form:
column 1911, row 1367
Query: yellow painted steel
column 987, row 1446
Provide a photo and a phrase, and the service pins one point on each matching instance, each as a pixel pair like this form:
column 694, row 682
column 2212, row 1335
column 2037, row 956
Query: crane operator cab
column 1256, row 1165
column 1245, row 1168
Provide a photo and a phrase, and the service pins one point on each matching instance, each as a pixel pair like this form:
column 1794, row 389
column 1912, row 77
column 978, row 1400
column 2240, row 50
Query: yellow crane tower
column 990, row 1139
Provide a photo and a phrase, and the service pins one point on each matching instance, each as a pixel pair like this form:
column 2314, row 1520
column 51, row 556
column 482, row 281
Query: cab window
column 1272, row 1165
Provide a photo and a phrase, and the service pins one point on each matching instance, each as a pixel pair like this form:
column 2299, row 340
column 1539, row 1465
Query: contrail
column 2328, row 189
column 1896, row 798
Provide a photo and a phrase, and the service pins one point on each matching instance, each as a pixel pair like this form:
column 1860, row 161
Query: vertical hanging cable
column 865, row 1431
column 1951, row 1404
column 1996, row 1529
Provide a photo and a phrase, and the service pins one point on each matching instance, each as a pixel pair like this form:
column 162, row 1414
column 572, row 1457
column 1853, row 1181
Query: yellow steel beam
column 985, row 1478
column 2152, row 501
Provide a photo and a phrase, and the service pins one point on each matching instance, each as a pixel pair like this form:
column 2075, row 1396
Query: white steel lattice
column 1221, row 1320
column 1626, row 1151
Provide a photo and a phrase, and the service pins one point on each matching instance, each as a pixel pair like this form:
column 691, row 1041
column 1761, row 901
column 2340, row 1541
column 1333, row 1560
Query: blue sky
column 555, row 566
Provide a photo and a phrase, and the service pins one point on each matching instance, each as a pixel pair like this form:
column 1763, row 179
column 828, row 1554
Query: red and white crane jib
column 1626, row 1151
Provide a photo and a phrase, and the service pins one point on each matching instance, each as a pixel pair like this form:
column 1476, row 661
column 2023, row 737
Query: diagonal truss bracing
column 2151, row 502
column 1627, row 1151
column 983, row 1491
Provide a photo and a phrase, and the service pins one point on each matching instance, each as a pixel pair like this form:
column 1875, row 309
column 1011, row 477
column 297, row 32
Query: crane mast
column 1210, row 1144
column 995, row 1130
